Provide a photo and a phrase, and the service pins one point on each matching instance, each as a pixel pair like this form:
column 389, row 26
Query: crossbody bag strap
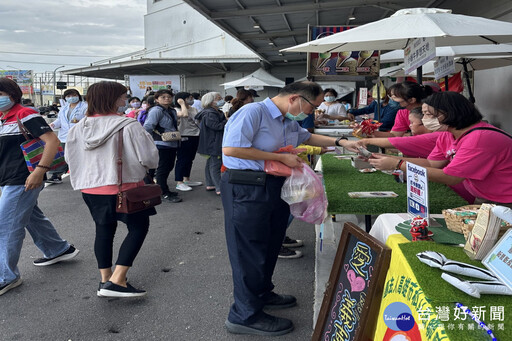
column 486, row 128
column 23, row 130
column 120, row 160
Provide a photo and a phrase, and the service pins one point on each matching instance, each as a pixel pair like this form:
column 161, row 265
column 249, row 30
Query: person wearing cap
column 254, row 93
column 242, row 98
column 255, row 216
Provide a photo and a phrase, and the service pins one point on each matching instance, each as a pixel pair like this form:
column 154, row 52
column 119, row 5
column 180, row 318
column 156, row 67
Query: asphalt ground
column 183, row 265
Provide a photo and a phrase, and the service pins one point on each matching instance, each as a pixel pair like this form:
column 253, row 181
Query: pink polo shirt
column 420, row 146
column 401, row 120
column 417, row 145
column 483, row 158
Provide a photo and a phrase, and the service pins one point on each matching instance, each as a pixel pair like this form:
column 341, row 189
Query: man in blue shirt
column 255, row 216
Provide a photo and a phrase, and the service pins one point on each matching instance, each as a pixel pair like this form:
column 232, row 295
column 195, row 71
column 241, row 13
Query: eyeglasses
column 304, row 98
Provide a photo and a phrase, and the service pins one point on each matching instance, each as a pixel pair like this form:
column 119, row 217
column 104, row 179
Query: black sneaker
column 288, row 242
column 266, row 325
column 276, row 301
column 171, row 197
column 5, row 288
column 54, row 180
column 110, row 289
column 71, row 252
column 98, row 293
column 289, row 253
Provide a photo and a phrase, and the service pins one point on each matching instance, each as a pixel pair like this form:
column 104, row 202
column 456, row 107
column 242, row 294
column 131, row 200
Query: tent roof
column 259, row 77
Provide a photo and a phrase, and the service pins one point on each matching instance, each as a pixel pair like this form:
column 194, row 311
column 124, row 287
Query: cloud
column 74, row 27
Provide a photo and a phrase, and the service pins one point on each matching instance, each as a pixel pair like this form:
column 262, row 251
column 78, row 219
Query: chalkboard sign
column 353, row 293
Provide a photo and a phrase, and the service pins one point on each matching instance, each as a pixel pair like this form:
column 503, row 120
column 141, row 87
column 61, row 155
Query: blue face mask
column 393, row 104
column 72, row 99
column 5, row 103
column 220, row 103
column 329, row 99
column 300, row 117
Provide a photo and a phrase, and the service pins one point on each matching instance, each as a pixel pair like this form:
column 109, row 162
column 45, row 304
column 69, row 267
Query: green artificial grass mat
column 441, row 293
column 441, row 233
column 340, row 178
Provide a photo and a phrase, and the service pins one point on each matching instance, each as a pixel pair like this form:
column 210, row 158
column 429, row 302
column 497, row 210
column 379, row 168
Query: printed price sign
column 418, row 52
column 417, row 191
column 363, row 96
column 444, row 66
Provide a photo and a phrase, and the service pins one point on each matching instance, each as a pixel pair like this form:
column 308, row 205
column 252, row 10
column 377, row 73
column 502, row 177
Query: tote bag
column 33, row 151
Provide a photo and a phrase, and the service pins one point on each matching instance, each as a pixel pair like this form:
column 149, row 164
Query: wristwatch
column 337, row 142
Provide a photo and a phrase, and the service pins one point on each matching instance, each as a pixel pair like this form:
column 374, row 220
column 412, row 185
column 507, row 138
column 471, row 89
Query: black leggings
column 166, row 159
column 103, row 211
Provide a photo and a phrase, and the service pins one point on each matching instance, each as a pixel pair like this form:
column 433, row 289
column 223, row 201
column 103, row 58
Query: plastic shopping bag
column 305, row 194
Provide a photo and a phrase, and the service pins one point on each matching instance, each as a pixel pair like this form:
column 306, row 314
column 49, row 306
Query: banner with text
column 444, row 66
column 24, row 78
column 139, row 84
column 418, row 52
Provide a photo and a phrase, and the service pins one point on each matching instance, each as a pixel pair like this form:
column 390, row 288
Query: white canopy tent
column 258, row 78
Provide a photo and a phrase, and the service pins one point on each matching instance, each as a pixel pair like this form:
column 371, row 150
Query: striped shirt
column 13, row 169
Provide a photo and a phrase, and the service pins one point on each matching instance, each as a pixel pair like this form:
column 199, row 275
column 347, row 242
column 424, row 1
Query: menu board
column 346, row 63
column 353, row 293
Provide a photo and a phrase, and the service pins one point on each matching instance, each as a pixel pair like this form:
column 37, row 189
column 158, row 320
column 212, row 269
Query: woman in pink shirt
column 409, row 96
column 470, row 152
column 420, row 145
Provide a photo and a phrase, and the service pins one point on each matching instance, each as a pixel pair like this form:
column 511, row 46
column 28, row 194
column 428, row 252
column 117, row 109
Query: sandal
column 210, row 188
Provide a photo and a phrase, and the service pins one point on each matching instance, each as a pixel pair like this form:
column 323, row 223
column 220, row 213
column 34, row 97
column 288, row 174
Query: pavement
column 183, row 265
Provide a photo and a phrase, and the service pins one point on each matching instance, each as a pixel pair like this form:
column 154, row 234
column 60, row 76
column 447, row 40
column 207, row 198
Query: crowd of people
column 442, row 131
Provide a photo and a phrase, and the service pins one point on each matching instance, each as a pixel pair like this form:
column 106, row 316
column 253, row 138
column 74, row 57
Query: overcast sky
column 73, row 33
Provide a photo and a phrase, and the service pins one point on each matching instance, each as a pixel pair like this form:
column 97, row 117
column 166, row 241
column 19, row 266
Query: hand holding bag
column 170, row 135
column 135, row 199
column 33, row 150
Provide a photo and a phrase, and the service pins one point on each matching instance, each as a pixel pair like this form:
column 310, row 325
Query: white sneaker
column 193, row 183
column 183, row 187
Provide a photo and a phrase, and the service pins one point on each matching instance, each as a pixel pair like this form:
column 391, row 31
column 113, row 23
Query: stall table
column 431, row 300
column 340, row 178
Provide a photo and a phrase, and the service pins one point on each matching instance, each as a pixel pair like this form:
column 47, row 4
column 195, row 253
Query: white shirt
column 335, row 109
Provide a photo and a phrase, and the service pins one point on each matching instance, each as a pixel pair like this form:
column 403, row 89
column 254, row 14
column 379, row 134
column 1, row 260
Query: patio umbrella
column 478, row 51
column 466, row 64
column 472, row 57
column 475, row 63
column 395, row 32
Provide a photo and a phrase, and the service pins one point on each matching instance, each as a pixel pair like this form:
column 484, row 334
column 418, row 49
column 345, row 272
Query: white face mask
column 433, row 124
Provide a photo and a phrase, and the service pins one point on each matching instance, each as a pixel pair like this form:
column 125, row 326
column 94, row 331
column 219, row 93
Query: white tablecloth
column 384, row 225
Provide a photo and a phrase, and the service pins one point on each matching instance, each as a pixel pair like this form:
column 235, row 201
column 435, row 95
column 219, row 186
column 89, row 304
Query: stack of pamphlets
column 484, row 234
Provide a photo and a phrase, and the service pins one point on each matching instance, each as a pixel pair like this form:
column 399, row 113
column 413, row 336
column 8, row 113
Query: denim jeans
column 19, row 210
column 61, row 169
